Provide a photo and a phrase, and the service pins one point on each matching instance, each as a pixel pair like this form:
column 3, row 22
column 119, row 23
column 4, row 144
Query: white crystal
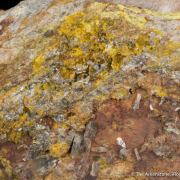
column 120, row 142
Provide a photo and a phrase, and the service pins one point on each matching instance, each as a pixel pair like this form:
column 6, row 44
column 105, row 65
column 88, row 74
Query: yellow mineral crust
column 6, row 171
column 13, row 129
column 59, row 149
column 101, row 35
column 93, row 36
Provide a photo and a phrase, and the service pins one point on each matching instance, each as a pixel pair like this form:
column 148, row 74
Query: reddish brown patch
column 13, row 152
column 9, row 73
column 118, row 119
column 133, row 126
column 4, row 24
column 46, row 121
column 153, row 164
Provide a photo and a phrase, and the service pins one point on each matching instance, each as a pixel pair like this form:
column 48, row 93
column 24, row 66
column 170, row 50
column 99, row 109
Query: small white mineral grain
column 120, row 142
column 151, row 107
column 137, row 154
column 137, row 102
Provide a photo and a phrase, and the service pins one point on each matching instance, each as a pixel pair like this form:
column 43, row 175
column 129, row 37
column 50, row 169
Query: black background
column 7, row 4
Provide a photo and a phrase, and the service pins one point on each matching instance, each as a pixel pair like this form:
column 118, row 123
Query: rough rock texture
column 160, row 5
column 74, row 76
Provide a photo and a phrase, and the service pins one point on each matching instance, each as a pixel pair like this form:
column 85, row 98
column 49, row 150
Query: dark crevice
column 7, row 4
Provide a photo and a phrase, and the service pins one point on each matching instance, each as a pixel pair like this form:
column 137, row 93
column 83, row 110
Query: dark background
column 7, row 4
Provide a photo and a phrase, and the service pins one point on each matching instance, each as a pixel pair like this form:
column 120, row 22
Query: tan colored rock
column 161, row 5
column 66, row 63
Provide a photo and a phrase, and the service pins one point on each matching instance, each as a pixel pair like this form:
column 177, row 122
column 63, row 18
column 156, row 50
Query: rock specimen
column 74, row 76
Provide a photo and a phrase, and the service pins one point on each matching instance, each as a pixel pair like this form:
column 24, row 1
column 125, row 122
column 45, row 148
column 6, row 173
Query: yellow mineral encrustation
column 75, row 76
